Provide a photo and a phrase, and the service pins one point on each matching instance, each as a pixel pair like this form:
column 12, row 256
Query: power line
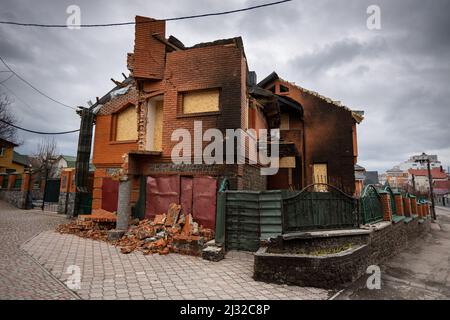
column 36, row 89
column 15, row 95
column 10, row 76
column 134, row 22
column 37, row 132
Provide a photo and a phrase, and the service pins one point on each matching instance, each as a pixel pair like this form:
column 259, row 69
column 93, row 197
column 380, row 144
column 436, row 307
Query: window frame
column 113, row 127
column 180, row 107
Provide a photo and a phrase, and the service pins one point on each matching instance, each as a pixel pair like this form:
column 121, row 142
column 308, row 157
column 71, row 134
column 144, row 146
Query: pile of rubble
column 171, row 232
column 94, row 226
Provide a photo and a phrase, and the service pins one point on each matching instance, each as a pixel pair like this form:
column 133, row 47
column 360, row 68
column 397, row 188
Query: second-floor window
column 2, row 152
column 200, row 101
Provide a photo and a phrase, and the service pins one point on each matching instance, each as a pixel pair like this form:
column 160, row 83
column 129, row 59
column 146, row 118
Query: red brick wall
column 201, row 68
column 149, row 53
column 107, row 152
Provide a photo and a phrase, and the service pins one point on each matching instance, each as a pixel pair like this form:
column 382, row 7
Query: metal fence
column 328, row 208
column 370, row 205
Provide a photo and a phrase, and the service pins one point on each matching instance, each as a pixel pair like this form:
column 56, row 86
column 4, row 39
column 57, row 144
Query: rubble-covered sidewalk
column 108, row 274
column 173, row 231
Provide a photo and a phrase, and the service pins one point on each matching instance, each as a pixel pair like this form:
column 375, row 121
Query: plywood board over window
column 126, row 124
column 200, row 101
column 320, row 172
column 284, row 124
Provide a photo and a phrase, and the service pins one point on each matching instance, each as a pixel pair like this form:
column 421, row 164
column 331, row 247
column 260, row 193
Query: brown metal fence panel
column 161, row 192
column 204, row 201
column 110, row 194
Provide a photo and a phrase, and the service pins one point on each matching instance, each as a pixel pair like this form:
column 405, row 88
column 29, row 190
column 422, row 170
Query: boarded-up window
column 126, row 124
column 320, row 176
column 284, row 124
column 201, row 101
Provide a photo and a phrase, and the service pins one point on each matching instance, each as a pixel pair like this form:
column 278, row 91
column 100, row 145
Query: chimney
column 252, row 80
column 149, row 53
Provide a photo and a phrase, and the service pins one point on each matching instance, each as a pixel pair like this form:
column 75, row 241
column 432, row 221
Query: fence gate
column 310, row 209
column 52, row 190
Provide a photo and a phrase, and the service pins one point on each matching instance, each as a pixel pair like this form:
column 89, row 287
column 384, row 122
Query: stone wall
column 14, row 197
column 70, row 203
column 336, row 269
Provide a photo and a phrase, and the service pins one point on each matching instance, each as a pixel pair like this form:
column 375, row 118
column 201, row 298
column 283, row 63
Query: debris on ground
column 173, row 231
column 94, row 226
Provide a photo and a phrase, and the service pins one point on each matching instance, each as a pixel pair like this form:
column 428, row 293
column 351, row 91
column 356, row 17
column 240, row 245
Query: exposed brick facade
column 160, row 70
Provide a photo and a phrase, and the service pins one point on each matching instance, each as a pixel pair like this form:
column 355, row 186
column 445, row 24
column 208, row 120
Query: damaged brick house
column 170, row 86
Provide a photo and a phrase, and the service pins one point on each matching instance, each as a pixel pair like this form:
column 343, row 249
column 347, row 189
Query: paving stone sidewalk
column 108, row 274
column 20, row 276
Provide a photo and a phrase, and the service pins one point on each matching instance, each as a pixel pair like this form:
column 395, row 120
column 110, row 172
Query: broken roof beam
column 158, row 37
column 119, row 83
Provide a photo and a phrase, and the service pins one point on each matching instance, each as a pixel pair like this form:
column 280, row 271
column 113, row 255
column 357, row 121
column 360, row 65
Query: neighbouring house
column 171, row 87
column 397, row 178
column 359, row 179
column 66, row 162
column 418, row 179
column 371, row 178
column 10, row 160
column 441, row 190
column 63, row 162
column 413, row 163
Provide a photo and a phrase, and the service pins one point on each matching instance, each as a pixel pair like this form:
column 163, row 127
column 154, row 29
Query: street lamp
column 425, row 159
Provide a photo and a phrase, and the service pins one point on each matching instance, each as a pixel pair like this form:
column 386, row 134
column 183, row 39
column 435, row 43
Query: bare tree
column 7, row 132
column 45, row 154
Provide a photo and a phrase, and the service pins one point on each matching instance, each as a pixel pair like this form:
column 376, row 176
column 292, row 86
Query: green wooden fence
column 370, row 205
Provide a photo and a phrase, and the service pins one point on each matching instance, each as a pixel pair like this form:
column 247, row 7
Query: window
column 2, row 152
column 283, row 89
column 126, row 124
column 200, row 101
column 320, row 175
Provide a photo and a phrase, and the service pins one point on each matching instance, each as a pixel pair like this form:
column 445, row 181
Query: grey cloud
column 399, row 75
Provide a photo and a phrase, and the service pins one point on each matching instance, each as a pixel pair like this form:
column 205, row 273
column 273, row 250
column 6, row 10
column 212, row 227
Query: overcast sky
column 398, row 75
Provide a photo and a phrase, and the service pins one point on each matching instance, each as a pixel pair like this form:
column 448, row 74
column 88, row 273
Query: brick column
column 414, row 206
column 420, row 210
column 25, row 182
column 399, row 204
column 407, row 206
column 11, row 181
column 386, row 205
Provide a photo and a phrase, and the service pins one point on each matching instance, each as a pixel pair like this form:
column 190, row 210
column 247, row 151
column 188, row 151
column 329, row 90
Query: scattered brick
column 171, row 232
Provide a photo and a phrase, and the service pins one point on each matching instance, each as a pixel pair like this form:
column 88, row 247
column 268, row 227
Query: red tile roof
column 436, row 173
column 442, row 185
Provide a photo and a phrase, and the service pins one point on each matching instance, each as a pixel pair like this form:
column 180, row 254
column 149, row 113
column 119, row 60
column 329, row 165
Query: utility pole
column 430, row 180
column 426, row 159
